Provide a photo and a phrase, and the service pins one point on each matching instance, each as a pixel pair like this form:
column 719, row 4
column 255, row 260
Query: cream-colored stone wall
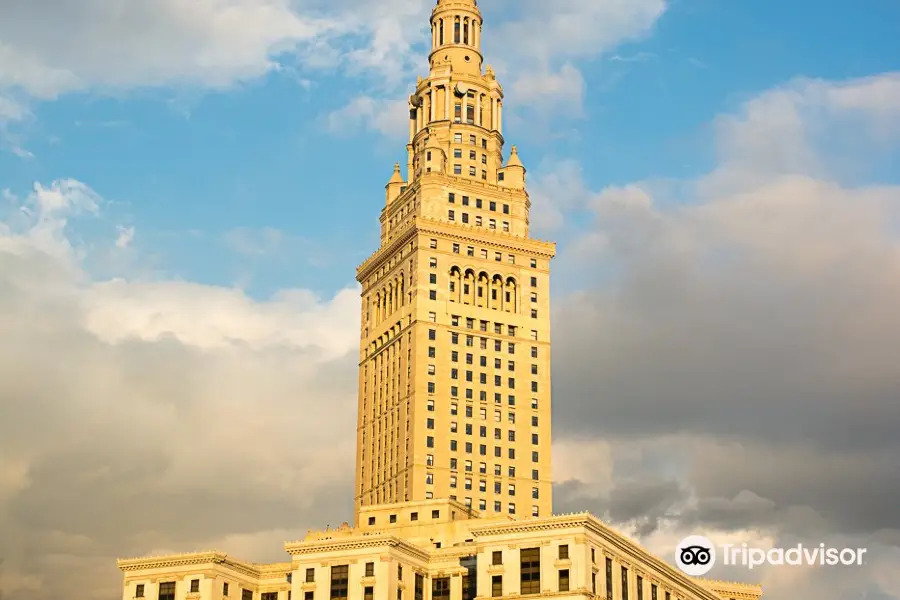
column 456, row 277
column 435, row 546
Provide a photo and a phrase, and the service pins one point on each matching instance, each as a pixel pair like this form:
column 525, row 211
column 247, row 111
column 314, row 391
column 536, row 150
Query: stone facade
column 453, row 481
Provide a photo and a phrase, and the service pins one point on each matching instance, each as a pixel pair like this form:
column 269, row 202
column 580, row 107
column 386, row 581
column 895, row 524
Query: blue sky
column 186, row 164
column 187, row 186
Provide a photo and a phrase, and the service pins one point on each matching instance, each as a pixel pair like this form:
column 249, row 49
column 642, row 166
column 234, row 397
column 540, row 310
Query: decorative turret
column 513, row 174
column 394, row 186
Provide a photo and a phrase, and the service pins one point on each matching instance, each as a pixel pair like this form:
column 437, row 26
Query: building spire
column 456, row 35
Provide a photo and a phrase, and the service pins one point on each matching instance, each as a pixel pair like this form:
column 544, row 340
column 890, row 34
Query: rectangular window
column 419, row 590
column 457, row 137
column 451, row 216
column 457, row 169
column 496, row 586
column 167, row 590
column 455, row 248
column 246, row 594
column 195, row 586
column 269, row 596
column 440, row 588
column 609, row 586
column 451, row 197
column 530, row 569
column 370, row 569
column 457, row 153
column 640, row 588
column 653, row 592
column 225, row 589
column 624, row 583
column 563, row 552
column 139, row 591
column 368, row 593
column 564, row 580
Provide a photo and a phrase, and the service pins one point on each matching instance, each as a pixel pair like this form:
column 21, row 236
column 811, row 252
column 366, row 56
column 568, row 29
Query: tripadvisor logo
column 696, row 556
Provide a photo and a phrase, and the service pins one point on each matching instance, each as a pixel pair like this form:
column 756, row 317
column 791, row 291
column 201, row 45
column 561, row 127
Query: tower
column 454, row 366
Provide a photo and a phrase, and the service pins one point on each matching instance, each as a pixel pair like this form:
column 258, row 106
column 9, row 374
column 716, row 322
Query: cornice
column 370, row 264
column 362, row 542
column 735, row 590
column 198, row 558
column 620, row 543
column 469, row 233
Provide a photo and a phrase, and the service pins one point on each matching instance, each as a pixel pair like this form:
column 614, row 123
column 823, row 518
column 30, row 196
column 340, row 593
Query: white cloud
column 534, row 51
column 820, row 128
column 102, row 44
column 128, row 404
column 537, row 49
column 365, row 113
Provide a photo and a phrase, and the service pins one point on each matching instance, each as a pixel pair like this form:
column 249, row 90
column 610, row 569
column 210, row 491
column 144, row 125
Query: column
column 465, row 107
column 478, row 109
column 499, row 116
column 475, row 34
column 493, row 113
column 412, row 124
column 432, row 101
column 420, row 116
column 447, row 96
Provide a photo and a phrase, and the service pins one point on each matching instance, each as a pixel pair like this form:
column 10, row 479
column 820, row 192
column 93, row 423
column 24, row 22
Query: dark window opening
column 530, row 570
column 339, row 581
column 167, row 590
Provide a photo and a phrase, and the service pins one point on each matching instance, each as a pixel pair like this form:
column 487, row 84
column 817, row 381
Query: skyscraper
column 454, row 375
column 453, row 483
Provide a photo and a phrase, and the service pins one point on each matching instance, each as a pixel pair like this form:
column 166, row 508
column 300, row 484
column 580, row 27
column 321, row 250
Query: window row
column 483, row 431
column 482, row 449
column 483, row 253
column 482, row 485
column 469, row 412
column 473, row 140
column 470, row 251
column 464, row 218
column 482, row 396
column 464, row 200
column 482, row 504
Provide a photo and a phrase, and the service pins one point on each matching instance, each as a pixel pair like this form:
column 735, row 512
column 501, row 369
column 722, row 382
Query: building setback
column 453, row 487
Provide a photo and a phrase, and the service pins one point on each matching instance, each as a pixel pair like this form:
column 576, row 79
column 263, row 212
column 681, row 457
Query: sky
column 186, row 189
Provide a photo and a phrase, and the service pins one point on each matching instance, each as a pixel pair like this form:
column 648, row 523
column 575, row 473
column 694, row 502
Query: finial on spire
column 396, row 177
column 514, row 160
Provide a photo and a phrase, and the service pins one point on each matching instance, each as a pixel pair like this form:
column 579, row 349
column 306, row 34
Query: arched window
column 455, row 284
column 509, row 296
column 456, row 30
column 497, row 293
column 482, row 297
column 465, row 31
column 441, row 32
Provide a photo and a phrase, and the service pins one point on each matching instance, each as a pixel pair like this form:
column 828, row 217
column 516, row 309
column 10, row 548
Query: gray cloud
column 129, row 425
column 746, row 334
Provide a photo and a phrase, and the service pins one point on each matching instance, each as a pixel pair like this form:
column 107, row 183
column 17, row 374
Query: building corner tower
column 454, row 366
